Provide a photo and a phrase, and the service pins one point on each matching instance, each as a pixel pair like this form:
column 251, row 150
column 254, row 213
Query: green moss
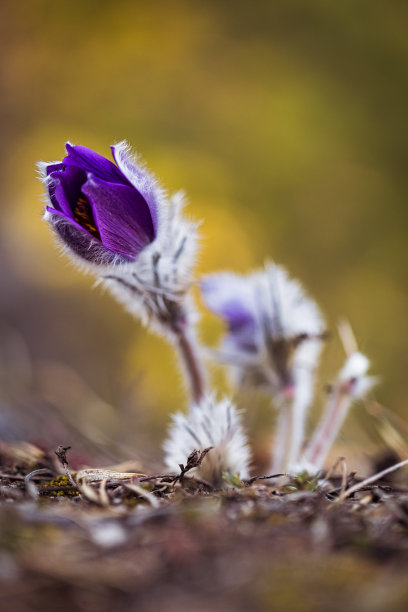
column 59, row 481
column 233, row 480
column 62, row 486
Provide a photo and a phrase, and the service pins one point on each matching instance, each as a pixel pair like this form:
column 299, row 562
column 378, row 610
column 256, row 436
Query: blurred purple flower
column 104, row 213
column 272, row 342
column 269, row 320
column 231, row 297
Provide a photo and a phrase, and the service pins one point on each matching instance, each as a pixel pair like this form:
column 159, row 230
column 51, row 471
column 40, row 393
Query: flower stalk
column 326, row 432
column 189, row 356
column 282, row 439
column 352, row 384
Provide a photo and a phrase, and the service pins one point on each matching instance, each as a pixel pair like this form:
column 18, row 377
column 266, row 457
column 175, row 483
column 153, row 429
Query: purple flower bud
column 103, row 212
column 117, row 221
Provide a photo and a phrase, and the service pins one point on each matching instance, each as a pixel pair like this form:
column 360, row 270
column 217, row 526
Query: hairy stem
column 281, row 441
column 284, row 436
column 188, row 351
column 328, row 427
column 298, row 413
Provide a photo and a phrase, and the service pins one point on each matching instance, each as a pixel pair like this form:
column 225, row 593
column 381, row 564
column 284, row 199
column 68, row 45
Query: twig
column 339, row 461
column 61, row 453
column 30, row 486
column 255, row 478
column 89, row 493
column 141, row 492
column 20, row 477
column 203, row 482
column 194, row 460
column 347, row 336
column 170, row 477
column 343, row 476
column 371, row 479
column 103, row 494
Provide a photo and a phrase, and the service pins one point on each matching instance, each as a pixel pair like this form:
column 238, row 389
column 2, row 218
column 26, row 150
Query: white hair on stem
column 156, row 288
column 294, row 327
column 352, row 384
column 210, row 423
column 282, row 433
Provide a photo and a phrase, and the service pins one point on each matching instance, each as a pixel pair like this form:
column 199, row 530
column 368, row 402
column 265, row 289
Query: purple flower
column 272, row 342
column 269, row 320
column 104, row 212
column 231, row 297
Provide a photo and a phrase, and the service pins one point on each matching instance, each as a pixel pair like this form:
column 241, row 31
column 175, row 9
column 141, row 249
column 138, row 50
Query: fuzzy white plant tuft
column 211, row 423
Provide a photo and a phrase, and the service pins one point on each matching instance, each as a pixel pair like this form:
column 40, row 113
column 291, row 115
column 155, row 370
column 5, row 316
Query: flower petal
column 121, row 214
column 49, row 168
column 139, row 177
column 64, row 189
column 90, row 161
column 227, row 295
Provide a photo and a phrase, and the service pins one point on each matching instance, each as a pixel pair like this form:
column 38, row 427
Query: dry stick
column 371, row 479
column 333, row 468
column 194, row 460
column 61, row 453
column 347, row 336
column 20, row 477
column 342, row 462
column 379, row 411
column 103, row 494
column 343, row 476
column 30, row 486
column 256, row 478
column 141, row 492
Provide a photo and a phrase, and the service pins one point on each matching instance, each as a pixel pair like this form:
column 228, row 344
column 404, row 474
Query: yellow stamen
column 83, row 214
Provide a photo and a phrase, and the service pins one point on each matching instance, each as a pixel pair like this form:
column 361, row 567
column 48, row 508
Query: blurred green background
column 285, row 123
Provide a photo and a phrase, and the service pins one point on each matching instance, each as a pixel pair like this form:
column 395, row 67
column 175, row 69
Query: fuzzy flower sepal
column 156, row 286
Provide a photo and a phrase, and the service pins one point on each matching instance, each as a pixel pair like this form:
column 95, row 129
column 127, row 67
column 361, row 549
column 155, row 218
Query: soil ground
column 160, row 542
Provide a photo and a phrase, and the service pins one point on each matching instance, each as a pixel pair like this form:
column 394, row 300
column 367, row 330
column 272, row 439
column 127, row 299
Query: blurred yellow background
column 285, row 123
